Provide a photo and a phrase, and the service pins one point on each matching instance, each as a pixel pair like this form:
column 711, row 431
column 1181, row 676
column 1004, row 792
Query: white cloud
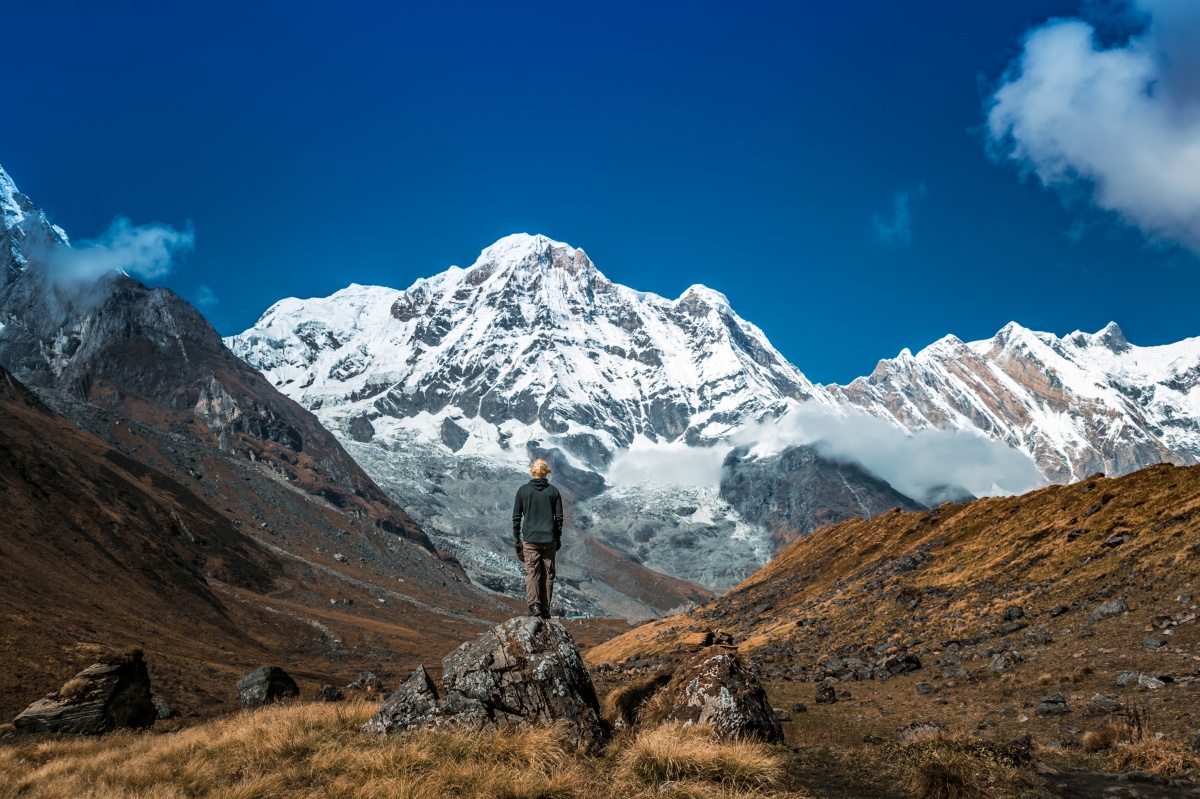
column 897, row 229
column 667, row 464
column 145, row 251
column 914, row 464
column 1121, row 122
column 206, row 298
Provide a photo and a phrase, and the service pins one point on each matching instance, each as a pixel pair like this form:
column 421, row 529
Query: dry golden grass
column 675, row 753
column 1099, row 740
column 953, row 767
column 306, row 751
column 1158, row 756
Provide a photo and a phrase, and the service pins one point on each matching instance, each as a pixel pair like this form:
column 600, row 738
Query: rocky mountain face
column 445, row 388
column 1076, row 405
column 200, row 485
column 798, row 490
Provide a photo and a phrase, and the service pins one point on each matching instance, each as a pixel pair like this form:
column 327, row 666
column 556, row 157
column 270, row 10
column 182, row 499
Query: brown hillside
column 938, row 584
column 100, row 551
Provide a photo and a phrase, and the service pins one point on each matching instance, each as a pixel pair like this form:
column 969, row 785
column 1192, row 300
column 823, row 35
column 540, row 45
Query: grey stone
column 453, row 435
column 925, row 688
column 1013, row 613
column 1053, row 705
column 524, row 671
column 109, row 695
column 1147, row 683
column 266, row 684
column 162, row 709
column 826, row 694
column 1011, row 627
column 1114, row 607
column 714, row 687
column 919, row 731
column 1003, row 661
column 1100, row 705
column 368, row 683
column 782, row 714
column 1152, row 644
column 1126, row 679
column 329, row 693
column 901, row 664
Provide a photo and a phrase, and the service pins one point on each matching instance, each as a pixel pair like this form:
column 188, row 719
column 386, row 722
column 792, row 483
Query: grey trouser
column 539, row 573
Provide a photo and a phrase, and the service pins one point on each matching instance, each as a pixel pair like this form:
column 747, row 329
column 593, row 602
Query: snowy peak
column 1083, row 403
column 529, row 343
column 14, row 206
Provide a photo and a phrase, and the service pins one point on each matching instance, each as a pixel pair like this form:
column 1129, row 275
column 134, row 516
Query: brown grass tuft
column 675, row 753
column 1099, row 740
column 623, row 706
column 1156, row 755
column 73, row 687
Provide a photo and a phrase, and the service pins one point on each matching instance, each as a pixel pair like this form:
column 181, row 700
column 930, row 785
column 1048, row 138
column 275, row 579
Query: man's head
column 539, row 468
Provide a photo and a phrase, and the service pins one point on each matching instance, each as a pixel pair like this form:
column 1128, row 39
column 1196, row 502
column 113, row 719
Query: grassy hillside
column 944, row 586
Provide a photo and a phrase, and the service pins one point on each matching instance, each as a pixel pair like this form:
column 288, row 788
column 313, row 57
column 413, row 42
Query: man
column 539, row 505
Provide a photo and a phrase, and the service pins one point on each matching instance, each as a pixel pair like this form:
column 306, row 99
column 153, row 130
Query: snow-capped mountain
column 532, row 341
column 1076, row 405
column 442, row 391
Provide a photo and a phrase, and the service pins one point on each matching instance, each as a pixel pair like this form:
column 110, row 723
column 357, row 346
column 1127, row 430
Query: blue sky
column 832, row 168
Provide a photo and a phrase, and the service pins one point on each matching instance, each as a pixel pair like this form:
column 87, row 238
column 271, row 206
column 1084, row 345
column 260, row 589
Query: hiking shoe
column 535, row 610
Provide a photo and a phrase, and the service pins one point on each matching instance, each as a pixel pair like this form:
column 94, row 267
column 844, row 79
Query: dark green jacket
column 540, row 506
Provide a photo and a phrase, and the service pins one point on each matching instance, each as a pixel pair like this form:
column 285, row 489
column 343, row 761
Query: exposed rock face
column 1114, row 607
column 798, row 491
column 106, row 696
column 525, row 671
column 266, row 684
column 714, row 687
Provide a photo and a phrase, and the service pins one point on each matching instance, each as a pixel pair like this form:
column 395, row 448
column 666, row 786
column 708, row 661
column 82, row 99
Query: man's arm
column 558, row 520
column 516, row 516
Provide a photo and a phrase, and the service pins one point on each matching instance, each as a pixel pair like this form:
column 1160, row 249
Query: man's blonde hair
column 539, row 468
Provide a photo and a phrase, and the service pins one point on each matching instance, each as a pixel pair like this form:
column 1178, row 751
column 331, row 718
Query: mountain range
column 445, row 388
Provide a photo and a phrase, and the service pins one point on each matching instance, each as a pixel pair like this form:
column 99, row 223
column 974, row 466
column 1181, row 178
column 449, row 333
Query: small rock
column 339, row 557
column 1114, row 607
column 1152, row 644
column 1117, row 540
column 1058, row 610
column 329, row 693
column 1013, row 613
column 1053, row 705
column 925, row 688
column 1100, row 705
column 919, row 731
column 1126, row 679
column 266, row 684
column 1147, row 683
column 162, row 710
column 826, row 695
column 781, row 714
column 368, row 683
column 799, row 707
column 901, row 664
column 109, row 695
column 1011, row 627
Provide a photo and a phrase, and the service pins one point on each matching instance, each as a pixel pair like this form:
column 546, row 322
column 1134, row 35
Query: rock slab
column 266, row 684
column 106, row 696
column 713, row 687
column 524, row 671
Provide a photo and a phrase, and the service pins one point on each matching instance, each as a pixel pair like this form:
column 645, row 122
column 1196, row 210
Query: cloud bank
column 917, row 465
column 144, row 251
column 1122, row 123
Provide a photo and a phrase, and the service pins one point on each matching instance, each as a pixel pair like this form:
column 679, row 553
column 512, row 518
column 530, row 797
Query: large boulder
column 713, row 687
column 266, row 684
column 106, row 696
column 524, row 671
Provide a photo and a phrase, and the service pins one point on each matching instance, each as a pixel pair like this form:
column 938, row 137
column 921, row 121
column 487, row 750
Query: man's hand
column 557, row 543
column 520, row 549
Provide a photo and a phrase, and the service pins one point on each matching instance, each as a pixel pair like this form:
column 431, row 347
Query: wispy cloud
column 1122, row 123
column 897, row 227
column 206, row 298
column 144, row 251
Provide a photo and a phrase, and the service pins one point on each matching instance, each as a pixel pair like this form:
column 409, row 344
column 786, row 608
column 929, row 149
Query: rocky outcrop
column 106, row 696
column 798, row 491
column 524, row 671
column 266, row 684
column 715, row 688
